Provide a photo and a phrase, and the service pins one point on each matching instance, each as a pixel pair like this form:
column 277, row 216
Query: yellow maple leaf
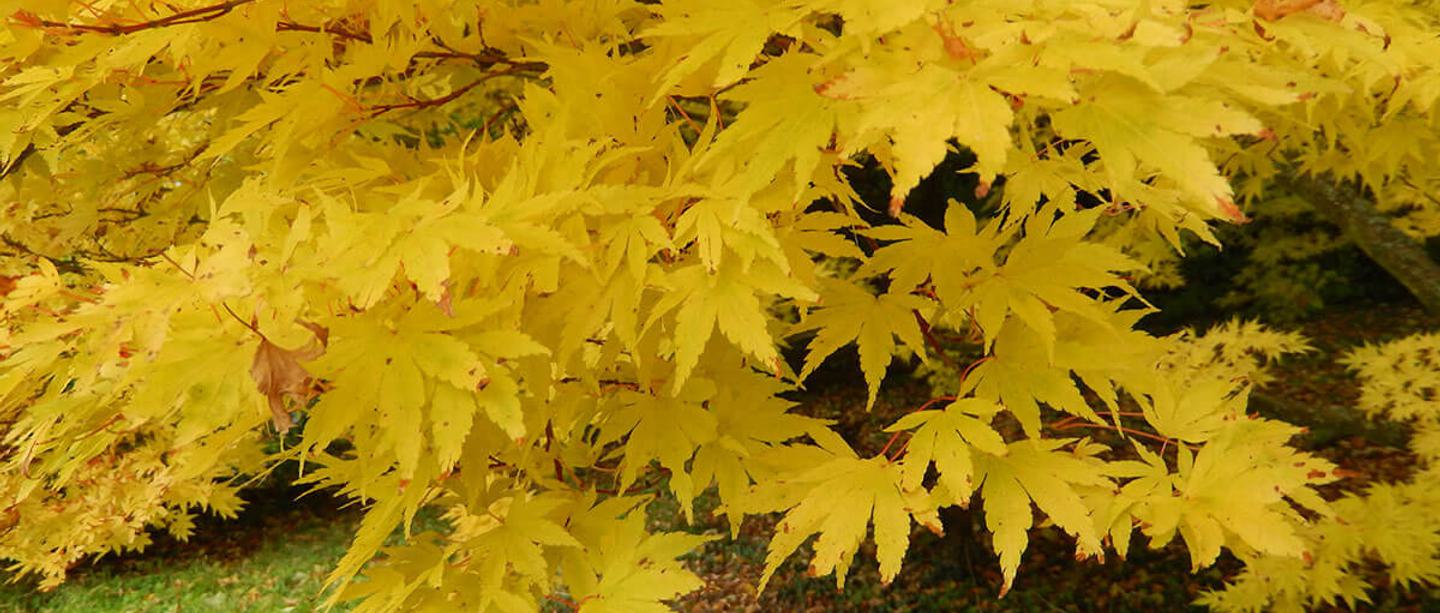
column 730, row 299
column 844, row 496
column 1130, row 124
column 852, row 314
column 1034, row 471
column 637, row 570
column 1235, row 488
column 1018, row 376
column 728, row 34
column 945, row 437
column 957, row 105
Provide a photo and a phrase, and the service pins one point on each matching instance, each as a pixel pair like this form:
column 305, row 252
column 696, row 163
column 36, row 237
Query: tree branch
column 195, row 15
column 380, row 109
column 932, row 341
column 1372, row 231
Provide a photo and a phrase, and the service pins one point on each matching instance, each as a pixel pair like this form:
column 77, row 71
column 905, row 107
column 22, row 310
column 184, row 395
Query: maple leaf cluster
column 534, row 265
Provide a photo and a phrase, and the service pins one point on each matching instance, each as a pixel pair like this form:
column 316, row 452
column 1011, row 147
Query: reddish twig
column 191, row 276
column 928, row 403
column 934, row 401
column 901, row 451
column 676, row 105
column 634, row 489
column 247, row 324
column 506, row 108
column 932, row 341
column 485, row 58
column 965, row 374
column 562, row 601
column 893, row 437
column 1065, row 423
column 151, row 168
column 338, row 32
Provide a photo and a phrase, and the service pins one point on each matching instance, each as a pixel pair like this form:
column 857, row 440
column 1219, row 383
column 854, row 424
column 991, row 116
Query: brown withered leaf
column 278, row 373
column 321, row 333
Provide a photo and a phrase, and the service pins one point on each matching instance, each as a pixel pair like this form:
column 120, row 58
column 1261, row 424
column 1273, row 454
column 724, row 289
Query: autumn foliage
column 534, row 264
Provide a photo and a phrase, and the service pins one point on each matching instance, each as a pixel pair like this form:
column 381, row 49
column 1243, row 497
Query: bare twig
column 380, row 109
column 195, row 15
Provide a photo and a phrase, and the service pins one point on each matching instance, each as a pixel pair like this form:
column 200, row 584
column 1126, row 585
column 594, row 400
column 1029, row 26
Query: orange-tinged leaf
column 1272, row 10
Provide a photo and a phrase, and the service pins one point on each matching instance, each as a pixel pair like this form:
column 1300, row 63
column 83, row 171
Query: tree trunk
column 1371, row 230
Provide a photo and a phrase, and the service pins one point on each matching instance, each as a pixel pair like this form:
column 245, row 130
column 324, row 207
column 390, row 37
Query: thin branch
column 484, row 58
column 103, row 426
column 507, row 108
column 381, row 109
column 901, row 451
column 290, row 26
column 1123, row 413
column 242, row 321
column 676, row 105
column 60, row 264
column 634, row 489
column 965, row 374
column 150, row 168
column 893, row 437
column 195, row 15
column 1131, row 431
column 167, row 258
column 191, row 276
column 932, row 341
column 562, row 601
column 928, row 403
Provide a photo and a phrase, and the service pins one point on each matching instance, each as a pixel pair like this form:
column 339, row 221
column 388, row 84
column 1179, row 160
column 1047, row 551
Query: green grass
column 274, row 558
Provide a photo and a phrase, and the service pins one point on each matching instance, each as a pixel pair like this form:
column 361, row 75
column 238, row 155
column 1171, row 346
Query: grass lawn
column 274, row 558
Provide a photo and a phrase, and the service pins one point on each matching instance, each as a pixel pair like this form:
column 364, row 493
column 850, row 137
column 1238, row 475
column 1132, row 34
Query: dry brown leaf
column 278, row 373
column 322, row 334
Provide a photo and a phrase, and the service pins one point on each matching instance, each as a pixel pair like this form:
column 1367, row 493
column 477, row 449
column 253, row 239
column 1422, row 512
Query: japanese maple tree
column 533, row 264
